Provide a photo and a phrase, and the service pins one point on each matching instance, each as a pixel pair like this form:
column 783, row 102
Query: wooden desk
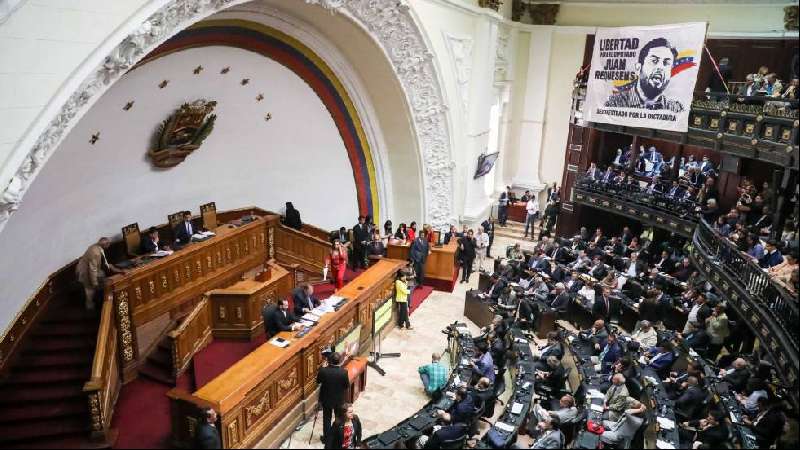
column 162, row 286
column 479, row 311
column 267, row 392
column 440, row 267
column 236, row 310
column 517, row 212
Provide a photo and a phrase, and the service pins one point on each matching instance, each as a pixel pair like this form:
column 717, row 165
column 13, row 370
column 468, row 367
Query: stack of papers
column 516, row 408
column 665, row 424
column 203, row 234
column 278, row 342
column 594, row 393
column 663, row 444
column 598, row 408
column 162, row 253
column 310, row 317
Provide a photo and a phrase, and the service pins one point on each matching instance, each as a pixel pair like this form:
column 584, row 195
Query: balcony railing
column 769, row 309
column 762, row 128
column 631, row 201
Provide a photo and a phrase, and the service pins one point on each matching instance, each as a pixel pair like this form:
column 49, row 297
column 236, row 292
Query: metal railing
column 772, row 298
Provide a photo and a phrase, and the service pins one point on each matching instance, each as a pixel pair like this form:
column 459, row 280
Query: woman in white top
column 482, row 241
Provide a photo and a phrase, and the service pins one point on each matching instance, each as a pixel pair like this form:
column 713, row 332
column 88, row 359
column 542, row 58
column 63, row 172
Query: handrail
column 186, row 344
column 780, row 304
column 103, row 386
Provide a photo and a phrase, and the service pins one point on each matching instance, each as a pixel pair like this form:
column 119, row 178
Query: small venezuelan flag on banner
column 685, row 60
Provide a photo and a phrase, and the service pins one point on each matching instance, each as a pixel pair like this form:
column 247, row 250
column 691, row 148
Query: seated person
column 304, row 300
column 597, row 335
column 461, row 411
column 616, row 398
column 150, row 244
column 483, row 363
column 496, row 286
column 624, row 428
column 573, row 282
column 278, row 319
column 710, row 432
column 447, row 433
column 689, row 404
column 483, row 394
column 553, row 347
column 550, row 436
column 183, row 231
column 433, row 375
column 646, row 335
column 768, row 423
column 508, row 299
column 736, row 375
column 561, row 298
column 675, row 384
column 598, row 270
column 553, row 376
column 566, row 412
column 661, row 358
column 610, row 353
column 375, row 247
column 754, row 390
column 515, row 253
column 696, row 338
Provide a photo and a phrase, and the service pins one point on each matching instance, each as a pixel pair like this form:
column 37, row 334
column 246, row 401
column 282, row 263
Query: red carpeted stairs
column 42, row 404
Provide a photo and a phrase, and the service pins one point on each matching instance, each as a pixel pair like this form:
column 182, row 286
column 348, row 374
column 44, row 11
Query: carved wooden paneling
column 190, row 337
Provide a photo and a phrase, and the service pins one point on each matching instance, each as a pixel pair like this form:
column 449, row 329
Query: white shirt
column 632, row 270
column 693, row 314
column 646, row 339
column 532, row 206
column 482, row 240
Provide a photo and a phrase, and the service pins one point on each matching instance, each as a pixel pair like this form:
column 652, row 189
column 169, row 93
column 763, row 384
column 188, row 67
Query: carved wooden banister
column 306, row 250
column 103, row 386
column 191, row 336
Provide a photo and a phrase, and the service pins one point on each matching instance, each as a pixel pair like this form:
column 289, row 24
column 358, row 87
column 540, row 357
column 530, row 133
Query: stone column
column 535, row 102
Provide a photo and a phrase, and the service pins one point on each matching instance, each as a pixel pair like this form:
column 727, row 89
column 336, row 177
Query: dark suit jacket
column 333, row 382
column 360, row 234
column 555, row 379
column 148, row 246
column 600, row 309
column 208, row 437
column 556, row 350
column 769, row 428
column 496, row 289
column 336, row 439
column 301, row 301
column 181, row 235
column 276, row 321
column 560, row 302
column 419, row 251
column 445, row 434
column 689, row 403
column 738, row 379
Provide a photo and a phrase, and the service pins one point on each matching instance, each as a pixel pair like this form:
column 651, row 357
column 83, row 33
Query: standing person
column 488, row 227
column 467, row 246
column 502, row 206
column 533, row 213
column 482, row 240
column 338, row 263
column 360, row 237
column 207, row 434
column 92, row 269
column 718, row 331
column 419, row 254
column 346, row 430
column 412, row 231
column 401, row 292
column 333, row 383
column 292, row 217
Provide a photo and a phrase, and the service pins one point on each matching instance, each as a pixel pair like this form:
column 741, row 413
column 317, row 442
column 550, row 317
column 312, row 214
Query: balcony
column 769, row 309
column 758, row 128
column 655, row 210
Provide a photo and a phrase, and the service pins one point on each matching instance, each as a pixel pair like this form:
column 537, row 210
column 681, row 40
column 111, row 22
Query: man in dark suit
column 689, row 405
column 278, row 319
column 303, row 298
column 342, row 235
column 697, row 338
column 602, row 305
column 561, row 300
column 418, row 254
column 150, row 244
column 558, row 254
column 183, row 231
column 768, row 423
column 488, row 227
column 496, row 287
column 207, row 434
column 598, row 270
column 333, row 383
column 736, row 375
column 360, row 239
column 665, row 264
column 553, row 376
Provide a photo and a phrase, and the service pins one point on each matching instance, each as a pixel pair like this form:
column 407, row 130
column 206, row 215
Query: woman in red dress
column 412, row 231
column 338, row 263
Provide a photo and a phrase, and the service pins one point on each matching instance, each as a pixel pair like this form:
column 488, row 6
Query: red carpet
column 218, row 356
column 419, row 296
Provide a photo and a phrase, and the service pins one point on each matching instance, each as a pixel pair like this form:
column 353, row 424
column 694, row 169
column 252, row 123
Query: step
column 12, row 434
column 77, row 375
column 83, row 344
column 71, row 314
column 41, row 411
column 48, row 393
column 76, row 441
column 157, row 374
column 60, row 329
column 161, row 359
column 53, row 361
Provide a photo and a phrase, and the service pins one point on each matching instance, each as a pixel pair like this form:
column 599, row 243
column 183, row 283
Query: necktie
column 188, row 228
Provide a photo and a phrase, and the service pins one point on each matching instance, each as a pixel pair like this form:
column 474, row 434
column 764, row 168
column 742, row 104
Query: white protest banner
column 644, row 76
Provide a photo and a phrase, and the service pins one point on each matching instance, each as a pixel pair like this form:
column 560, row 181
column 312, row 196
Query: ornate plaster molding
column 460, row 51
column 502, row 60
column 389, row 22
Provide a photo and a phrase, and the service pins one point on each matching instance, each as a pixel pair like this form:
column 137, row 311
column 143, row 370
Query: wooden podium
column 357, row 372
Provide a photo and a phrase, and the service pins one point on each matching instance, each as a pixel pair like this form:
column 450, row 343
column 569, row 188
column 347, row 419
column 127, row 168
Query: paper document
column 306, row 323
column 280, row 343
column 504, row 427
column 594, row 393
column 162, row 253
column 310, row 317
column 663, row 444
column 598, row 408
column 665, row 424
column 516, row 408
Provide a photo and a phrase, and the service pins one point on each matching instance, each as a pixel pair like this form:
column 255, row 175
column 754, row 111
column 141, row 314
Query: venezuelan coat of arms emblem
column 182, row 133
